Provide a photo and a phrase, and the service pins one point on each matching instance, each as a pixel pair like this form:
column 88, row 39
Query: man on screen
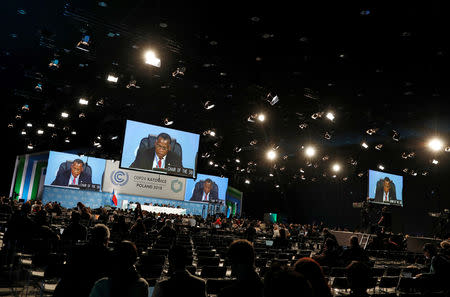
column 385, row 191
column 72, row 176
column 159, row 156
column 205, row 191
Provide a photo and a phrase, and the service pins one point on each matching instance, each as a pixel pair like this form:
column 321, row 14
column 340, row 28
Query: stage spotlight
column 381, row 167
column 30, row 146
column 277, row 186
column 64, row 115
column 310, row 151
column 436, row 144
column 330, row 116
column 435, row 162
column 67, row 140
column 51, row 125
column 83, row 101
column 150, row 58
column 261, row 117
column 40, row 132
column 270, row 174
column 23, row 132
column 238, row 161
column 211, row 163
column 74, row 132
column 336, row 167
column 212, row 133
column 29, row 125
column 247, row 181
column 112, row 78
column 271, row 155
column 364, row 145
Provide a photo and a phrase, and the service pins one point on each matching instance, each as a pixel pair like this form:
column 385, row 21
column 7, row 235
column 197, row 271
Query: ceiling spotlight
column 271, row 154
column 381, row 167
column 54, row 64
column 51, row 125
column 23, row 132
column 67, row 140
column 330, row 116
column 30, row 146
column 435, row 162
column 379, row 147
column 64, row 114
column 209, row 105
column 270, row 174
column 247, row 181
column 436, row 144
column 150, row 58
column 112, row 78
column 272, row 99
column 74, row 132
column 29, row 125
column 277, row 186
column 310, row 151
column 212, row 133
column 238, row 161
column 261, row 117
column 83, row 101
column 336, row 167
column 40, row 131
column 211, row 163
column 167, row 122
column 364, row 145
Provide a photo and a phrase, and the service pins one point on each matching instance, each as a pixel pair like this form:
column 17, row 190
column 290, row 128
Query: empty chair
column 213, row 272
column 155, row 251
column 340, row 283
column 338, row 271
column 214, row 286
column 377, row 271
column 192, row 269
column 206, row 253
column 208, row 261
column 408, row 285
column 153, row 271
column 392, row 271
column 388, row 282
column 284, row 256
column 260, row 262
column 150, row 260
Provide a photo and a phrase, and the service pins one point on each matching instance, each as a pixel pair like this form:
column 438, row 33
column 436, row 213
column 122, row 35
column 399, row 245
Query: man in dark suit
column 205, row 190
column 181, row 281
column 160, row 156
column 385, row 190
column 74, row 176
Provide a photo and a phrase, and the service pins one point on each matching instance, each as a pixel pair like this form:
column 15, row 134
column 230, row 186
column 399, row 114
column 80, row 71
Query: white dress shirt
column 155, row 161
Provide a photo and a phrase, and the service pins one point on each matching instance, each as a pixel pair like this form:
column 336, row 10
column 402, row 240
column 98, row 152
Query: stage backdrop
column 140, row 183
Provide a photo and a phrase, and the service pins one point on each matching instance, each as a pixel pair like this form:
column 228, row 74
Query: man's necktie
column 74, row 180
column 159, row 163
column 385, row 197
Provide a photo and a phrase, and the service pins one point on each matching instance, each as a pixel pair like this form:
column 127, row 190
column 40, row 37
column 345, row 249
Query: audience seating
column 213, row 272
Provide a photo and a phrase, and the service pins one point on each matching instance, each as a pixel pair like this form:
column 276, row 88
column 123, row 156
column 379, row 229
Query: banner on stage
column 138, row 183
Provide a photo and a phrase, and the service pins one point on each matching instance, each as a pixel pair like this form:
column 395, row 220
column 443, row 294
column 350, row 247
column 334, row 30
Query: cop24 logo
column 119, row 178
column 176, row 186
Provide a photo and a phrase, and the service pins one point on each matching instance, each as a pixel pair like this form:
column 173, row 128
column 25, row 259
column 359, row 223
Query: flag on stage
column 114, row 198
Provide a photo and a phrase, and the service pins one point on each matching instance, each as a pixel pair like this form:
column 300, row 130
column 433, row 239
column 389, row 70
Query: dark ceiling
column 382, row 67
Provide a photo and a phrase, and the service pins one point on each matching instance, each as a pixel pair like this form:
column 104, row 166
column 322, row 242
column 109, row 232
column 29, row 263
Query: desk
column 160, row 209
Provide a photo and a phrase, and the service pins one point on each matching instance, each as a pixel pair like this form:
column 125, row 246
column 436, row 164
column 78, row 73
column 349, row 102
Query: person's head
column 100, row 235
column 207, row 185
column 125, row 254
column 325, row 231
column 354, row 241
column 76, row 167
column 330, row 243
column 313, row 273
column 283, row 233
column 25, row 208
column 429, row 250
column 386, row 184
column 358, row 275
column 178, row 257
column 241, row 254
column 162, row 145
column 75, row 217
column 281, row 281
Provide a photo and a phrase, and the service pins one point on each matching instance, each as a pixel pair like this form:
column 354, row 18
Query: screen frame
column 370, row 200
column 152, row 171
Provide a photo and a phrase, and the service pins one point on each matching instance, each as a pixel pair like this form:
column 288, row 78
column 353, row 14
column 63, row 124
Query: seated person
column 248, row 283
column 312, row 271
column 281, row 281
column 158, row 156
column 72, row 176
column 181, row 282
column 358, row 276
column 75, row 231
column 330, row 255
column 124, row 279
column 354, row 252
column 439, row 273
column 281, row 242
column 206, row 190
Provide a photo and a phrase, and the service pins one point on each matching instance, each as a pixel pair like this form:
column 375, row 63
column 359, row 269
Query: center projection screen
column 160, row 150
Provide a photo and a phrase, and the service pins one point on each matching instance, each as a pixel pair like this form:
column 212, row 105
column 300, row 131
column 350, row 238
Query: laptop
column 269, row 242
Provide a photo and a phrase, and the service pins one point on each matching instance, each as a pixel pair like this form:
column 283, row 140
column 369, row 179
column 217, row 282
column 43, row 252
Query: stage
column 69, row 198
